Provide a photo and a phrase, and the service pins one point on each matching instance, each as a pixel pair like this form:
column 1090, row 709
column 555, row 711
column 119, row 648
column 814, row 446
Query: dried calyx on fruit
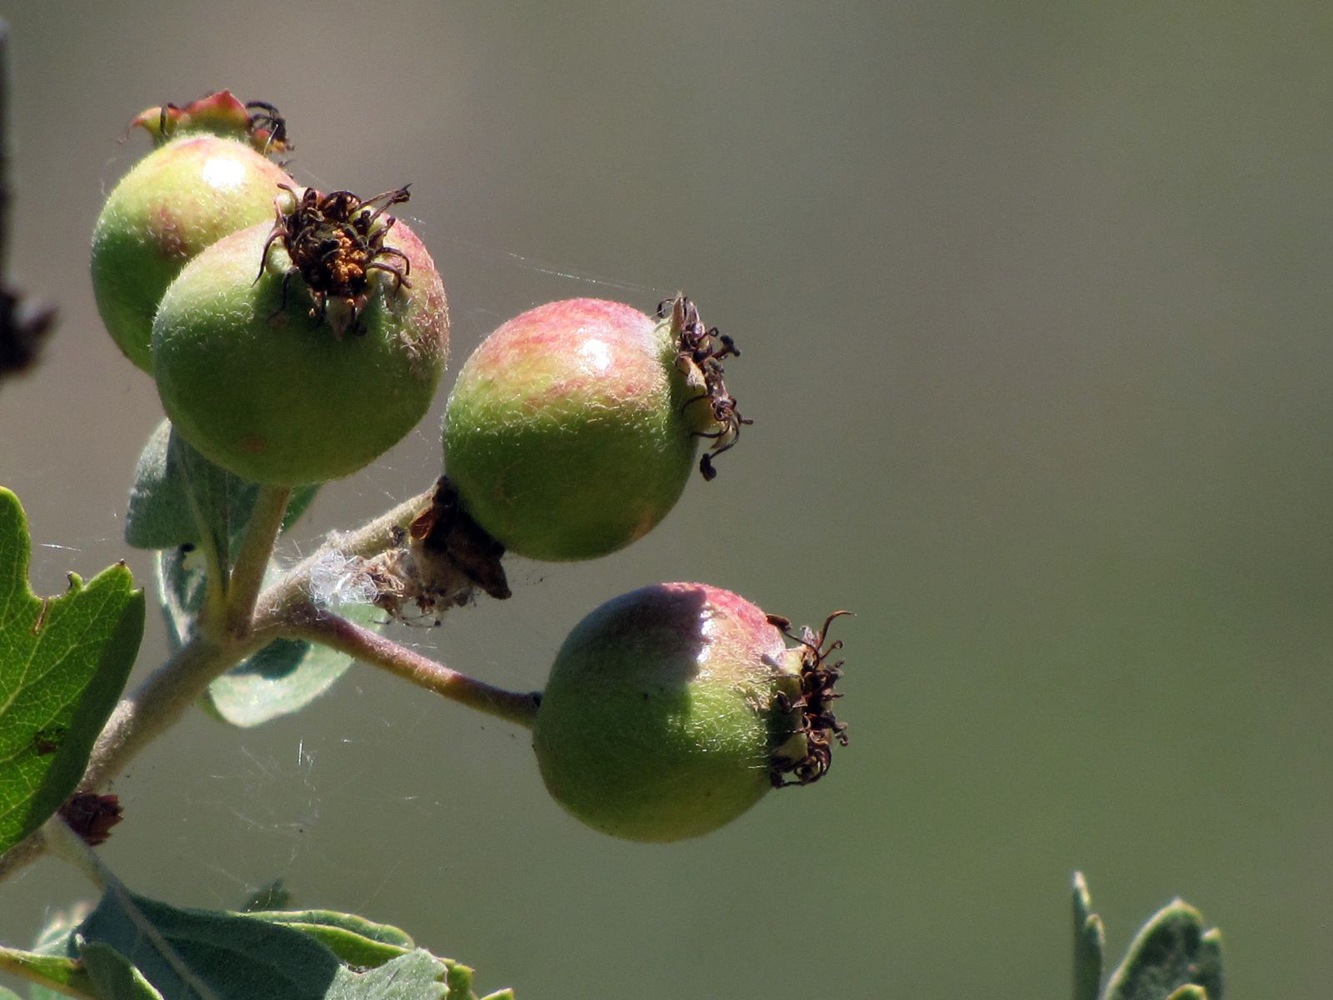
column 334, row 242
column 221, row 114
column 700, row 356
column 807, row 697
column 207, row 178
column 673, row 709
column 249, row 380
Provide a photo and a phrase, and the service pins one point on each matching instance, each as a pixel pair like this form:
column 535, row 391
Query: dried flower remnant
column 335, row 241
column 257, row 123
column 817, row 726
column 703, row 349
column 92, row 816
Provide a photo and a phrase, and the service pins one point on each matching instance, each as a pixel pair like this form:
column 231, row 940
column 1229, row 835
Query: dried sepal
column 92, row 816
column 807, row 754
column 700, row 353
column 335, row 241
column 222, row 114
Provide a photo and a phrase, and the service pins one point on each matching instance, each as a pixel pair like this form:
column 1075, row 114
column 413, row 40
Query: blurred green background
column 1034, row 300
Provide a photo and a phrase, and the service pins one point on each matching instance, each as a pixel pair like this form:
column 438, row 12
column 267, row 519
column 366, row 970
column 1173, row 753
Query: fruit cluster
column 294, row 335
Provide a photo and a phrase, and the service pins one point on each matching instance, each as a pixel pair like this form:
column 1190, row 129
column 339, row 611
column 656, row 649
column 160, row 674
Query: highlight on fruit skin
column 205, row 178
column 572, row 428
column 673, row 709
column 281, row 384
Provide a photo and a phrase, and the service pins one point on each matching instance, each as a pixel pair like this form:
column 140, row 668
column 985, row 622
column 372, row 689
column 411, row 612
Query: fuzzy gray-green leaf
column 231, row 955
column 355, row 940
column 414, row 976
column 160, row 515
column 1172, row 950
column 113, row 976
column 283, row 677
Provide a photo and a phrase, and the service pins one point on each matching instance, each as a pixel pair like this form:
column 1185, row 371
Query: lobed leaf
column 1089, row 943
column 61, row 971
column 413, row 976
column 355, row 940
column 112, row 975
column 1171, row 951
column 63, row 664
column 134, row 948
column 186, row 953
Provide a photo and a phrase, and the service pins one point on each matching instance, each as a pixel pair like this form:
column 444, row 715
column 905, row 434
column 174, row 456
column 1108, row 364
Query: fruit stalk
column 368, row 647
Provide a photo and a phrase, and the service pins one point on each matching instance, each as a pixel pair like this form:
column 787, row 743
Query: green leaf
column 160, row 514
column 60, row 971
column 63, row 664
column 459, row 981
column 274, row 896
column 113, row 976
column 1089, row 943
column 355, row 940
column 283, row 677
column 8, row 994
column 232, row 955
column 1172, row 950
column 1189, row 992
column 414, row 976
column 54, row 939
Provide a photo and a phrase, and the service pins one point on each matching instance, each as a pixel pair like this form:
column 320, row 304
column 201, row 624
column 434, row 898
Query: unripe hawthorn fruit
column 672, row 709
column 206, row 179
column 289, row 375
column 572, row 428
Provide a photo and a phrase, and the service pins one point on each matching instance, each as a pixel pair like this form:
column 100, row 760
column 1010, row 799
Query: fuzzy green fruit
column 177, row 200
column 572, row 429
column 671, row 710
column 277, row 396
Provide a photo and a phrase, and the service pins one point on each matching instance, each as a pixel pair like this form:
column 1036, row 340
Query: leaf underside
column 161, row 514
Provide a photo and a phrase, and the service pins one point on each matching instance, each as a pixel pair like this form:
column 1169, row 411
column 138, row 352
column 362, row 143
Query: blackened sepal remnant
column 92, row 816
column 817, row 723
column 335, row 242
column 704, row 349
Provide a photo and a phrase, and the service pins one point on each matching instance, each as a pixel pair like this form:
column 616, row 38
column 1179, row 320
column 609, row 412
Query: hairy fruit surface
column 177, row 200
column 263, row 377
column 672, row 709
column 572, row 429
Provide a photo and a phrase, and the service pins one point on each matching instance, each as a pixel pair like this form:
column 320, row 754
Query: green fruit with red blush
column 673, row 709
column 286, row 364
column 208, row 177
column 572, row 429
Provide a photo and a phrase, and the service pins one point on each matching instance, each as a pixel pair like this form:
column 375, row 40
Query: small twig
column 369, row 647
column 247, row 572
